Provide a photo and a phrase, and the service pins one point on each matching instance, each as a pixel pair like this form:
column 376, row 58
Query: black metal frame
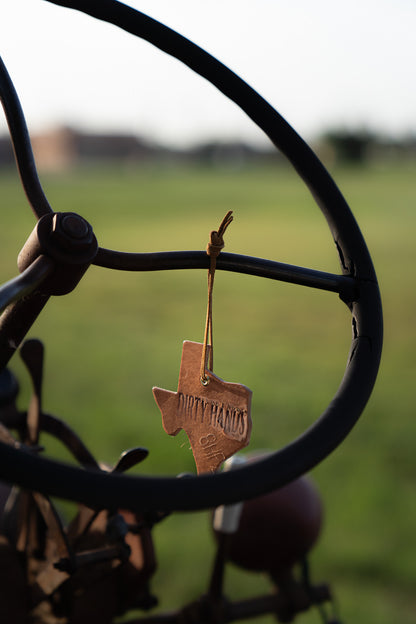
column 357, row 287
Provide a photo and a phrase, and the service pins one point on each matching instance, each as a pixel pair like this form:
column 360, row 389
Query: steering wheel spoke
column 345, row 285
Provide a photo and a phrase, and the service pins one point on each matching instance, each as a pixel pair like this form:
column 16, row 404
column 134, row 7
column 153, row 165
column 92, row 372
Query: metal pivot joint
column 70, row 241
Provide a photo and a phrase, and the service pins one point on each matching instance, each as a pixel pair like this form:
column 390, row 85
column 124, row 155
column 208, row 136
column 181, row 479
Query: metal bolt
column 75, row 226
column 71, row 230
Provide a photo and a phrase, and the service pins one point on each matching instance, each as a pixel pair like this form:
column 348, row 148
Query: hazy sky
column 320, row 63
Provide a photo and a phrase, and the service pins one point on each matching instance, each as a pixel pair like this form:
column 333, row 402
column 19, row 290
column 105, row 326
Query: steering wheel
column 356, row 286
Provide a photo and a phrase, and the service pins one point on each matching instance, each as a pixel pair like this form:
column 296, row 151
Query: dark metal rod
column 21, row 145
column 26, row 282
column 16, row 321
column 55, row 427
column 344, row 285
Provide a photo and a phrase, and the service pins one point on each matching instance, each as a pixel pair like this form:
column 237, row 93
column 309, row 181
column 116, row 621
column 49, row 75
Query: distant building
column 231, row 154
column 62, row 148
column 55, row 150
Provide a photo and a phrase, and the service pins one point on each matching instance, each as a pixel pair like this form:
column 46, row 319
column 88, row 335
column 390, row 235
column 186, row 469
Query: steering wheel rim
column 101, row 490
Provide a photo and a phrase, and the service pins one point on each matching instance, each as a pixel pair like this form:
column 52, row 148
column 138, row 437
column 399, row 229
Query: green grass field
column 120, row 334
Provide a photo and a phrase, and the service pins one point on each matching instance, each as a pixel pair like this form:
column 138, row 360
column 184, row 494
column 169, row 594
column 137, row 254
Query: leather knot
column 216, row 240
column 215, row 244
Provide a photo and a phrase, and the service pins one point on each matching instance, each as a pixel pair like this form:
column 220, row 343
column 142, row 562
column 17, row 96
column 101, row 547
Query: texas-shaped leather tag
column 215, row 414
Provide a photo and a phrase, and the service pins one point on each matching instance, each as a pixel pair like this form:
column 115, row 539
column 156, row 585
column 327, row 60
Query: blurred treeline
column 64, row 148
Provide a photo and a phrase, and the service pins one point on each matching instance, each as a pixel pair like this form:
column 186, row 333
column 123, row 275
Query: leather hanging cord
column 214, row 247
